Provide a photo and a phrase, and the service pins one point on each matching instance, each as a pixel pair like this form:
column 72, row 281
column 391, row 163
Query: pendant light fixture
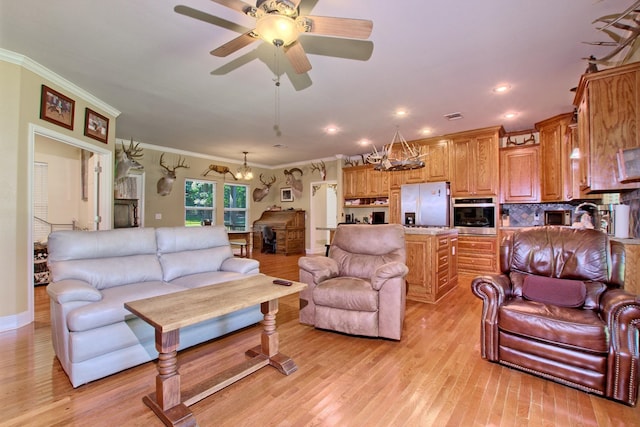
column 245, row 171
column 400, row 155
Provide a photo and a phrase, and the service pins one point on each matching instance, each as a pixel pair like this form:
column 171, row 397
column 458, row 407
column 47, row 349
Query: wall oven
column 477, row 215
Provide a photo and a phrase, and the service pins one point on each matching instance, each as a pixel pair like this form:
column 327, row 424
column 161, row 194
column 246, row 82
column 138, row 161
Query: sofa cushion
column 562, row 292
column 111, row 308
column 570, row 327
column 348, row 293
column 103, row 273
column 73, row 245
column 191, row 250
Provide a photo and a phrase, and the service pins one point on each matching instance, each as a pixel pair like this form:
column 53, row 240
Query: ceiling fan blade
column 237, row 5
column 234, row 45
column 306, row 6
column 297, row 57
column 205, row 17
column 341, row 27
column 360, row 50
column 296, row 3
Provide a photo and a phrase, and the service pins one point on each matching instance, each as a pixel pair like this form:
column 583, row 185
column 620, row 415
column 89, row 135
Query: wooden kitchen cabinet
column 555, row 149
column 608, row 121
column 519, row 174
column 364, row 181
column 394, row 207
column 475, row 162
column 478, row 254
column 432, row 262
column 437, row 160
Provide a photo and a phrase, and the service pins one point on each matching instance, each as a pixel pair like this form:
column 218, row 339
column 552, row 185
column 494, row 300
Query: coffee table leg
column 269, row 341
column 166, row 401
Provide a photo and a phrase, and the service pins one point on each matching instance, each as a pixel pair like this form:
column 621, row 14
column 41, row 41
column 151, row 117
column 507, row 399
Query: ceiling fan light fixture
column 274, row 27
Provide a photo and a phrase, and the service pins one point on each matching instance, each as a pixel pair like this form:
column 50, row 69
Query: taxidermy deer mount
column 165, row 184
column 219, row 169
column 126, row 160
column 293, row 182
column 261, row 193
column 320, row 167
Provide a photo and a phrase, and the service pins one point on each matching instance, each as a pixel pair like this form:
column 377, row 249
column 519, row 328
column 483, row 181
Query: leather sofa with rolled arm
column 359, row 288
column 558, row 311
column 95, row 272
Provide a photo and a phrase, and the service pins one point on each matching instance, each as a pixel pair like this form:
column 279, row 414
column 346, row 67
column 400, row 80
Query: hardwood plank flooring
column 433, row 377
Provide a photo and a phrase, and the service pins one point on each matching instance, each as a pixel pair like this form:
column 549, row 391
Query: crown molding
column 44, row 72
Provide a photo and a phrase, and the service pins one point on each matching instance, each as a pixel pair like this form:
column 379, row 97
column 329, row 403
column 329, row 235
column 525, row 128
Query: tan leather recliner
column 558, row 311
column 359, row 288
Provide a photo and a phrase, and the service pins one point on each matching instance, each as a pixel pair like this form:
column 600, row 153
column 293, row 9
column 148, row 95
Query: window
column 199, row 202
column 236, row 209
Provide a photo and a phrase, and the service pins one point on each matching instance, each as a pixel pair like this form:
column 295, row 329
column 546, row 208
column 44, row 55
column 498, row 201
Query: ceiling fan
column 278, row 22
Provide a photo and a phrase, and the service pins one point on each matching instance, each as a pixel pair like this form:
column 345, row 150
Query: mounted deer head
column 126, row 160
column 165, row 184
column 320, row 167
column 293, row 182
column 261, row 193
column 219, row 169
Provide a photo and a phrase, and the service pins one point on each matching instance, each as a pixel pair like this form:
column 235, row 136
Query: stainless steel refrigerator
column 426, row 204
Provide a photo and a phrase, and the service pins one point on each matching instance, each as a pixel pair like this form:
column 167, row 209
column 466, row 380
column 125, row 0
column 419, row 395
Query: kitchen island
column 432, row 258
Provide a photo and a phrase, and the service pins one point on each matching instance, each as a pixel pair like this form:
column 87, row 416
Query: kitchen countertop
column 434, row 231
column 628, row 241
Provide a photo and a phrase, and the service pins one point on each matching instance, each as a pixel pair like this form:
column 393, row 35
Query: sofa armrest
column 493, row 290
column 240, row 265
column 73, row 290
column 388, row 271
column 621, row 312
column 320, row 268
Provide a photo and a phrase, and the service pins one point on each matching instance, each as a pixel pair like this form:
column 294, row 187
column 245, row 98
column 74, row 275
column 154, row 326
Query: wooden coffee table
column 168, row 313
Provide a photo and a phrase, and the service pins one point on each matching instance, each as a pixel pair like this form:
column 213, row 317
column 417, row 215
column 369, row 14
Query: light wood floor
column 433, row 377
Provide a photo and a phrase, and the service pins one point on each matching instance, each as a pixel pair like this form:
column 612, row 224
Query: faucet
column 595, row 214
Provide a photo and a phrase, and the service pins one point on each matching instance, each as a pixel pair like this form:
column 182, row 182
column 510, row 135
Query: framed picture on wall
column 286, row 194
column 96, row 125
column 56, row 108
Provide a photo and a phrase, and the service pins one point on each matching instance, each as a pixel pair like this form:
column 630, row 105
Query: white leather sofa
column 93, row 273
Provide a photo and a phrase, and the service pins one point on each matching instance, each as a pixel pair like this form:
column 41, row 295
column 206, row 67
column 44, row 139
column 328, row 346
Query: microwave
column 475, row 215
column 559, row 217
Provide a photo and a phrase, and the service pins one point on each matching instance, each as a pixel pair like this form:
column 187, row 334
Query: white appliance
column 425, row 205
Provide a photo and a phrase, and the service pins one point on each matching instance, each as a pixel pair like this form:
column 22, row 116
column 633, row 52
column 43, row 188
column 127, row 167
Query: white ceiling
column 150, row 60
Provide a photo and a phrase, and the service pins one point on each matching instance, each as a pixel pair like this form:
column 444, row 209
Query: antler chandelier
column 404, row 156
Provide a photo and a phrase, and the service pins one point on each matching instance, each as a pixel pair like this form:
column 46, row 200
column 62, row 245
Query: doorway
column 323, row 215
column 83, row 176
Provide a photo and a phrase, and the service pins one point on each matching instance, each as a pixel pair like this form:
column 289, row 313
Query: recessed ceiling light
column 426, row 131
column 331, row 130
column 401, row 112
column 510, row 115
column 502, row 88
column 364, row 141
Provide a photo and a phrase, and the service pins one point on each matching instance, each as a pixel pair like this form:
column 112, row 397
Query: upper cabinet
column 608, row 121
column 475, row 163
column 555, row 151
column 519, row 170
column 364, row 182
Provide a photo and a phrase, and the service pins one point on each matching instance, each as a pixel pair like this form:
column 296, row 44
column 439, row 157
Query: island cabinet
column 608, row 121
column 475, row 162
column 555, row 163
column 478, row 254
column 519, row 174
column 432, row 262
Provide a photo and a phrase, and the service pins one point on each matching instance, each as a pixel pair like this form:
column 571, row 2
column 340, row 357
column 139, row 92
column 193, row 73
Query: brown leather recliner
column 359, row 288
column 558, row 311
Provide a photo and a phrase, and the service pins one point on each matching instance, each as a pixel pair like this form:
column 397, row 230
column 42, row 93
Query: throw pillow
column 549, row 290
